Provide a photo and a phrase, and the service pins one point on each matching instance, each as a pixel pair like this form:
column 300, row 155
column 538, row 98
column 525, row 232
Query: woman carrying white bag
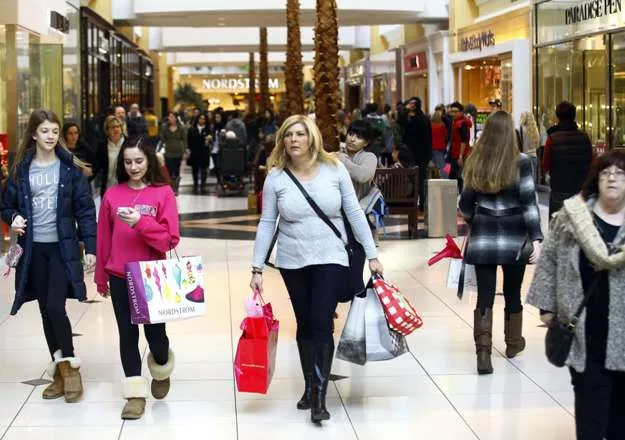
column 499, row 204
column 138, row 221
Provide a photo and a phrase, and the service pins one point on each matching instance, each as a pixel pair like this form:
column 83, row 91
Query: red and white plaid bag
column 400, row 314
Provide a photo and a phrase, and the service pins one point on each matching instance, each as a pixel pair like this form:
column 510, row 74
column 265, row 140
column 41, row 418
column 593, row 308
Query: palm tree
column 264, row 72
column 327, row 72
column 294, row 74
column 251, row 103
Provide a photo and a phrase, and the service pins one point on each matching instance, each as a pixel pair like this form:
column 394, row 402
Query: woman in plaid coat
column 499, row 204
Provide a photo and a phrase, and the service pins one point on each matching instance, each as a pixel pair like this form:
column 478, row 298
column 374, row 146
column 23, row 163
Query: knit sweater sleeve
column 355, row 215
column 362, row 172
column 268, row 219
column 543, row 290
column 527, row 196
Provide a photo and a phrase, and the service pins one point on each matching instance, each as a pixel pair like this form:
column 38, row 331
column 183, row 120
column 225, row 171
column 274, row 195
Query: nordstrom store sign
column 561, row 20
column 236, row 84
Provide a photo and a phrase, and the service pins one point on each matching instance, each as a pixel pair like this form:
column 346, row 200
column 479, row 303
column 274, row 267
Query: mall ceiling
column 271, row 18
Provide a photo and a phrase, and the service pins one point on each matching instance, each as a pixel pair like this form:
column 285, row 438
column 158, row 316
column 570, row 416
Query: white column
column 433, row 79
column 521, row 78
column 448, row 74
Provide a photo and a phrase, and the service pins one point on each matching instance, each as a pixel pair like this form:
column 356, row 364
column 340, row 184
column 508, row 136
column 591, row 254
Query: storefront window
column 28, row 78
column 3, row 82
column 71, row 67
column 486, row 81
column 575, row 72
column 618, row 89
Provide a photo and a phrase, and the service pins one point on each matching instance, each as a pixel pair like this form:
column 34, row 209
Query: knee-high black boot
column 322, row 364
column 305, row 349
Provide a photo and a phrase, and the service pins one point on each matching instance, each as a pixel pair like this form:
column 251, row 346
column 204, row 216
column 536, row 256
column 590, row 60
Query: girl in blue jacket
column 45, row 196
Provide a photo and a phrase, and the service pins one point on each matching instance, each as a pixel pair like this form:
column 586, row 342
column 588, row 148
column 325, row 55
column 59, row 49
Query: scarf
column 578, row 215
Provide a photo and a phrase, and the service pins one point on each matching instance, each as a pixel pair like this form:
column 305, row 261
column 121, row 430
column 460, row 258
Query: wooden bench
column 400, row 188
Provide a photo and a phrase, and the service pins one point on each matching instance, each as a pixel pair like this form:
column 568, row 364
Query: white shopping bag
column 454, row 274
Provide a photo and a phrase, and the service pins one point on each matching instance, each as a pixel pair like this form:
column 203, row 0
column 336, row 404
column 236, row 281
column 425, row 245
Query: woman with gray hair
column 583, row 260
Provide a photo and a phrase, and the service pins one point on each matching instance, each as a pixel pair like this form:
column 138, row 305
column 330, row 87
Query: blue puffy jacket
column 75, row 205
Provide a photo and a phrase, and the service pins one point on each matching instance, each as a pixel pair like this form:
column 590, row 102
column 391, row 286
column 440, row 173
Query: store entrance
column 487, row 83
column 353, row 97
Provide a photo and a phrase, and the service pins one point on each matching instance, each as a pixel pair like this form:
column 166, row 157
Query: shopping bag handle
column 173, row 249
column 257, row 294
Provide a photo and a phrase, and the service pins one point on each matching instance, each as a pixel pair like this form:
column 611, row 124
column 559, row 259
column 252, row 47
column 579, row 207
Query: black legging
column 47, row 272
column 486, row 275
column 314, row 292
column 129, row 332
column 199, row 175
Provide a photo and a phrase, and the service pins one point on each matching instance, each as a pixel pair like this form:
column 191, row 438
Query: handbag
column 560, row 335
column 13, row 255
column 355, row 270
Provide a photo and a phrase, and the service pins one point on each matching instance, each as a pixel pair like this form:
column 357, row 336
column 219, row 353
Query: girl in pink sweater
column 138, row 221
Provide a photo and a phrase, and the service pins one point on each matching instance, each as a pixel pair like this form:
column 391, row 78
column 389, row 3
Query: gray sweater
column 361, row 168
column 304, row 239
column 557, row 287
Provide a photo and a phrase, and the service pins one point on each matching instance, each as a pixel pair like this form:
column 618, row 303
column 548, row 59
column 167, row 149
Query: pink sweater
column 156, row 232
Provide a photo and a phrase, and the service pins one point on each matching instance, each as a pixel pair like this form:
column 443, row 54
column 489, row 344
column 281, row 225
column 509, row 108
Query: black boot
column 322, row 363
column 305, row 349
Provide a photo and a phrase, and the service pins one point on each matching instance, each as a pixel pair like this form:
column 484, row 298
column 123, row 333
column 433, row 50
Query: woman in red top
column 439, row 140
column 138, row 221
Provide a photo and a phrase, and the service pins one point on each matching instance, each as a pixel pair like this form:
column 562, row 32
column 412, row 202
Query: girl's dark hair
column 66, row 128
column 153, row 175
column 37, row 117
column 606, row 160
column 362, row 129
column 404, row 156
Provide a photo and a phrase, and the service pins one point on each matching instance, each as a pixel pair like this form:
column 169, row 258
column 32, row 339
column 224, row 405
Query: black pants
column 456, row 173
column 556, row 201
column 199, row 175
column 47, row 272
column 173, row 166
column 423, row 178
column 216, row 163
column 486, row 275
column 599, row 402
column 314, row 292
column 129, row 332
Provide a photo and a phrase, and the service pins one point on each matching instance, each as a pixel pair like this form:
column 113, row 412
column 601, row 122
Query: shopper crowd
column 313, row 209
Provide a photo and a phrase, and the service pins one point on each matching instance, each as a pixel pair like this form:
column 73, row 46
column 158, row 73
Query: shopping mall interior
column 330, row 59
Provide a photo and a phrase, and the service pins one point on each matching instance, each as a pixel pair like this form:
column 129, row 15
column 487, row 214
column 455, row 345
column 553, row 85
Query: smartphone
column 123, row 210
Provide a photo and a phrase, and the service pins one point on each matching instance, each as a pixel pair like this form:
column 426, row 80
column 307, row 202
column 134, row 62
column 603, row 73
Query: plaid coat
column 503, row 225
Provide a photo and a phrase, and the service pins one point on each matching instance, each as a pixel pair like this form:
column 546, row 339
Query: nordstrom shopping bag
column 165, row 290
column 352, row 345
column 461, row 276
column 255, row 359
column 383, row 343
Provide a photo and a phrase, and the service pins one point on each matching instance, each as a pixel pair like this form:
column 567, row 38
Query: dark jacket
column 101, row 168
column 418, row 137
column 571, row 156
column 86, row 154
column 200, row 152
column 75, row 205
column 503, row 225
column 137, row 126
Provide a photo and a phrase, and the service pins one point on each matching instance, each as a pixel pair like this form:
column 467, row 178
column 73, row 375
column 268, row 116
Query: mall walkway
column 430, row 393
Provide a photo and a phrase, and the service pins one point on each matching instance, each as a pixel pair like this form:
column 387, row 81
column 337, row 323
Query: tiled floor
column 430, row 393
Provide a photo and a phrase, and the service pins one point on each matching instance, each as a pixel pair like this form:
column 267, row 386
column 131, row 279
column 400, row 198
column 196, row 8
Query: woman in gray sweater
column 585, row 246
column 313, row 261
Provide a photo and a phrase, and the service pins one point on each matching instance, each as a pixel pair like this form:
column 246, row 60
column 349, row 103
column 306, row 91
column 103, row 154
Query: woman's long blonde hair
column 528, row 122
column 492, row 165
column 279, row 157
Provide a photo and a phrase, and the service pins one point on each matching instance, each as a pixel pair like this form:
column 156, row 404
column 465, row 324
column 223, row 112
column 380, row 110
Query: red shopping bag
column 255, row 359
column 400, row 314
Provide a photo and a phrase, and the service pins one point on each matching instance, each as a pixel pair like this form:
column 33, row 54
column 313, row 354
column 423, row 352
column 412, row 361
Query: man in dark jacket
column 567, row 157
column 136, row 123
column 418, row 138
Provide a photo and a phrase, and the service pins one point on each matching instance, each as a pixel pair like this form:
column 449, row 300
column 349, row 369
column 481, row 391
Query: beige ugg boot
column 160, row 375
column 135, row 391
column 72, row 382
column 55, row 389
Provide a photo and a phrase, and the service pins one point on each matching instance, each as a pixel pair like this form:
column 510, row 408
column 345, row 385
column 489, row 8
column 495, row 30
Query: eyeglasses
column 618, row 174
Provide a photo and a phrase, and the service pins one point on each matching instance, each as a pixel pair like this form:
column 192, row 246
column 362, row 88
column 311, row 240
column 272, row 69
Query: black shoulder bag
column 559, row 338
column 350, row 288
